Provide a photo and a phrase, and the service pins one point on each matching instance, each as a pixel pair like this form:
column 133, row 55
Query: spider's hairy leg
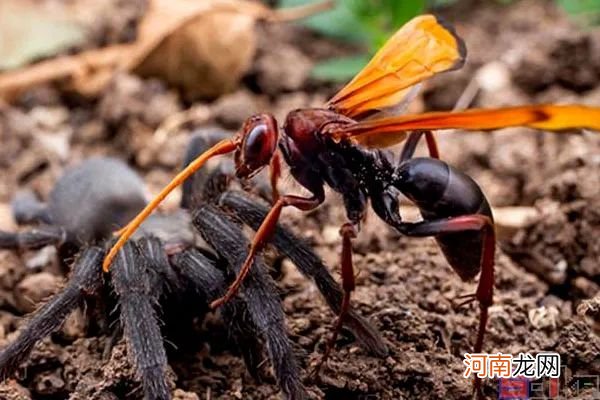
column 85, row 280
column 163, row 280
column 251, row 212
column 33, row 239
column 207, row 282
column 137, row 304
column 195, row 187
column 260, row 294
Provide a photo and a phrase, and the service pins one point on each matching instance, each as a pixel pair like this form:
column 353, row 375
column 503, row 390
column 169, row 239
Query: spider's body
column 110, row 185
column 164, row 265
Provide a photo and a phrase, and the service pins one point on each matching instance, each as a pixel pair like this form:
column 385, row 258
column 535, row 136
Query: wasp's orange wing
column 421, row 48
column 388, row 131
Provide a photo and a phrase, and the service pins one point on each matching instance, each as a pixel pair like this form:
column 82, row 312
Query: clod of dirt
column 568, row 61
column 35, row 288
column 74, row 326
column 11, row 272
column 183, row 395
column 564, row 243
column 105, row 26
column 131, row 98
column 11, row 390
column 90, row 376
column 544, row 317
column 131, row 109
column 49, row 383
column 282, row 69
column 232, row 110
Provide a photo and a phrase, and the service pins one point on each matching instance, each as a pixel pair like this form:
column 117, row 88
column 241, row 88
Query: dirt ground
column 521, row 53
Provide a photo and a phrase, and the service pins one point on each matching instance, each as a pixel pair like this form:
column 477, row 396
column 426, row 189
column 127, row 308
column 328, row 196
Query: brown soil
column 543, row 272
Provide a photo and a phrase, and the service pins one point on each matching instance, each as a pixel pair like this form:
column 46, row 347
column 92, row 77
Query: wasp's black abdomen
column 441, row 191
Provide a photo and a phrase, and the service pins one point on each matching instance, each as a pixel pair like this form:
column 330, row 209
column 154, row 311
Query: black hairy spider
column 165, row 263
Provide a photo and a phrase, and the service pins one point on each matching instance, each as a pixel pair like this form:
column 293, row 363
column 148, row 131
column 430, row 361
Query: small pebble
column 331, row 234
column 544, row 317
column 183, row 395
column 493, row 76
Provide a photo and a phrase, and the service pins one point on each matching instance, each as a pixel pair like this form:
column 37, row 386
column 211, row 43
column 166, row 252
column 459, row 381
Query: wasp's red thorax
column 258, row 142
column 306, row 127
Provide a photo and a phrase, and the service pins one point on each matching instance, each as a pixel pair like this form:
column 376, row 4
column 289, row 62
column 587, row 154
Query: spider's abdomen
column 95, row 198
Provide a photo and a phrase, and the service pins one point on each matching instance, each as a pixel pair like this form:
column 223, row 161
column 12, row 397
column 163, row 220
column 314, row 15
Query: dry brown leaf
column 207, row 67
column 201, row 46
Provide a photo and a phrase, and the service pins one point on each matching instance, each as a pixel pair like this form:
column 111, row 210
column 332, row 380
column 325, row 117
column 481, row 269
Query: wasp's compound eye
column 254, row 145
column 258, row 145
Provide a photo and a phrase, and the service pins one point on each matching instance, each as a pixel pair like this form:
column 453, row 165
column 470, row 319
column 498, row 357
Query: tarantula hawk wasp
column 340, row 147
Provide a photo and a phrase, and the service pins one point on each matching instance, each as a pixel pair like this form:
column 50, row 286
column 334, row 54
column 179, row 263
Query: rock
column 57, row 143
column 41, row 258
column 493, row 76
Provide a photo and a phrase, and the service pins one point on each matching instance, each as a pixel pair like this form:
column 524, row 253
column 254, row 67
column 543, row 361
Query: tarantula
column 166, row 263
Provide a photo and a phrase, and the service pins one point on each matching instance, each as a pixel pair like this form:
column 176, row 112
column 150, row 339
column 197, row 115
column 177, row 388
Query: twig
column 14, row 82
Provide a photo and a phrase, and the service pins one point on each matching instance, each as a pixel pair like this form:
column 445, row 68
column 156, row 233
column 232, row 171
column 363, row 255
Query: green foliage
column 381, row 18
column 369, row 22
column 340, row 22
column 587, row 11
column 339, row 69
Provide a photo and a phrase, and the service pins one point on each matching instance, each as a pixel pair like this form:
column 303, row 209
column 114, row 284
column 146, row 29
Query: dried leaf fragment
column 28, row 33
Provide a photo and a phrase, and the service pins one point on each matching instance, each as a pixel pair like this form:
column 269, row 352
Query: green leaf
column 580, row 6
column 339, row 69
column 403, row 11
column 370, row 22
column 28, row 33
column 587, row 11
column 339, row 22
